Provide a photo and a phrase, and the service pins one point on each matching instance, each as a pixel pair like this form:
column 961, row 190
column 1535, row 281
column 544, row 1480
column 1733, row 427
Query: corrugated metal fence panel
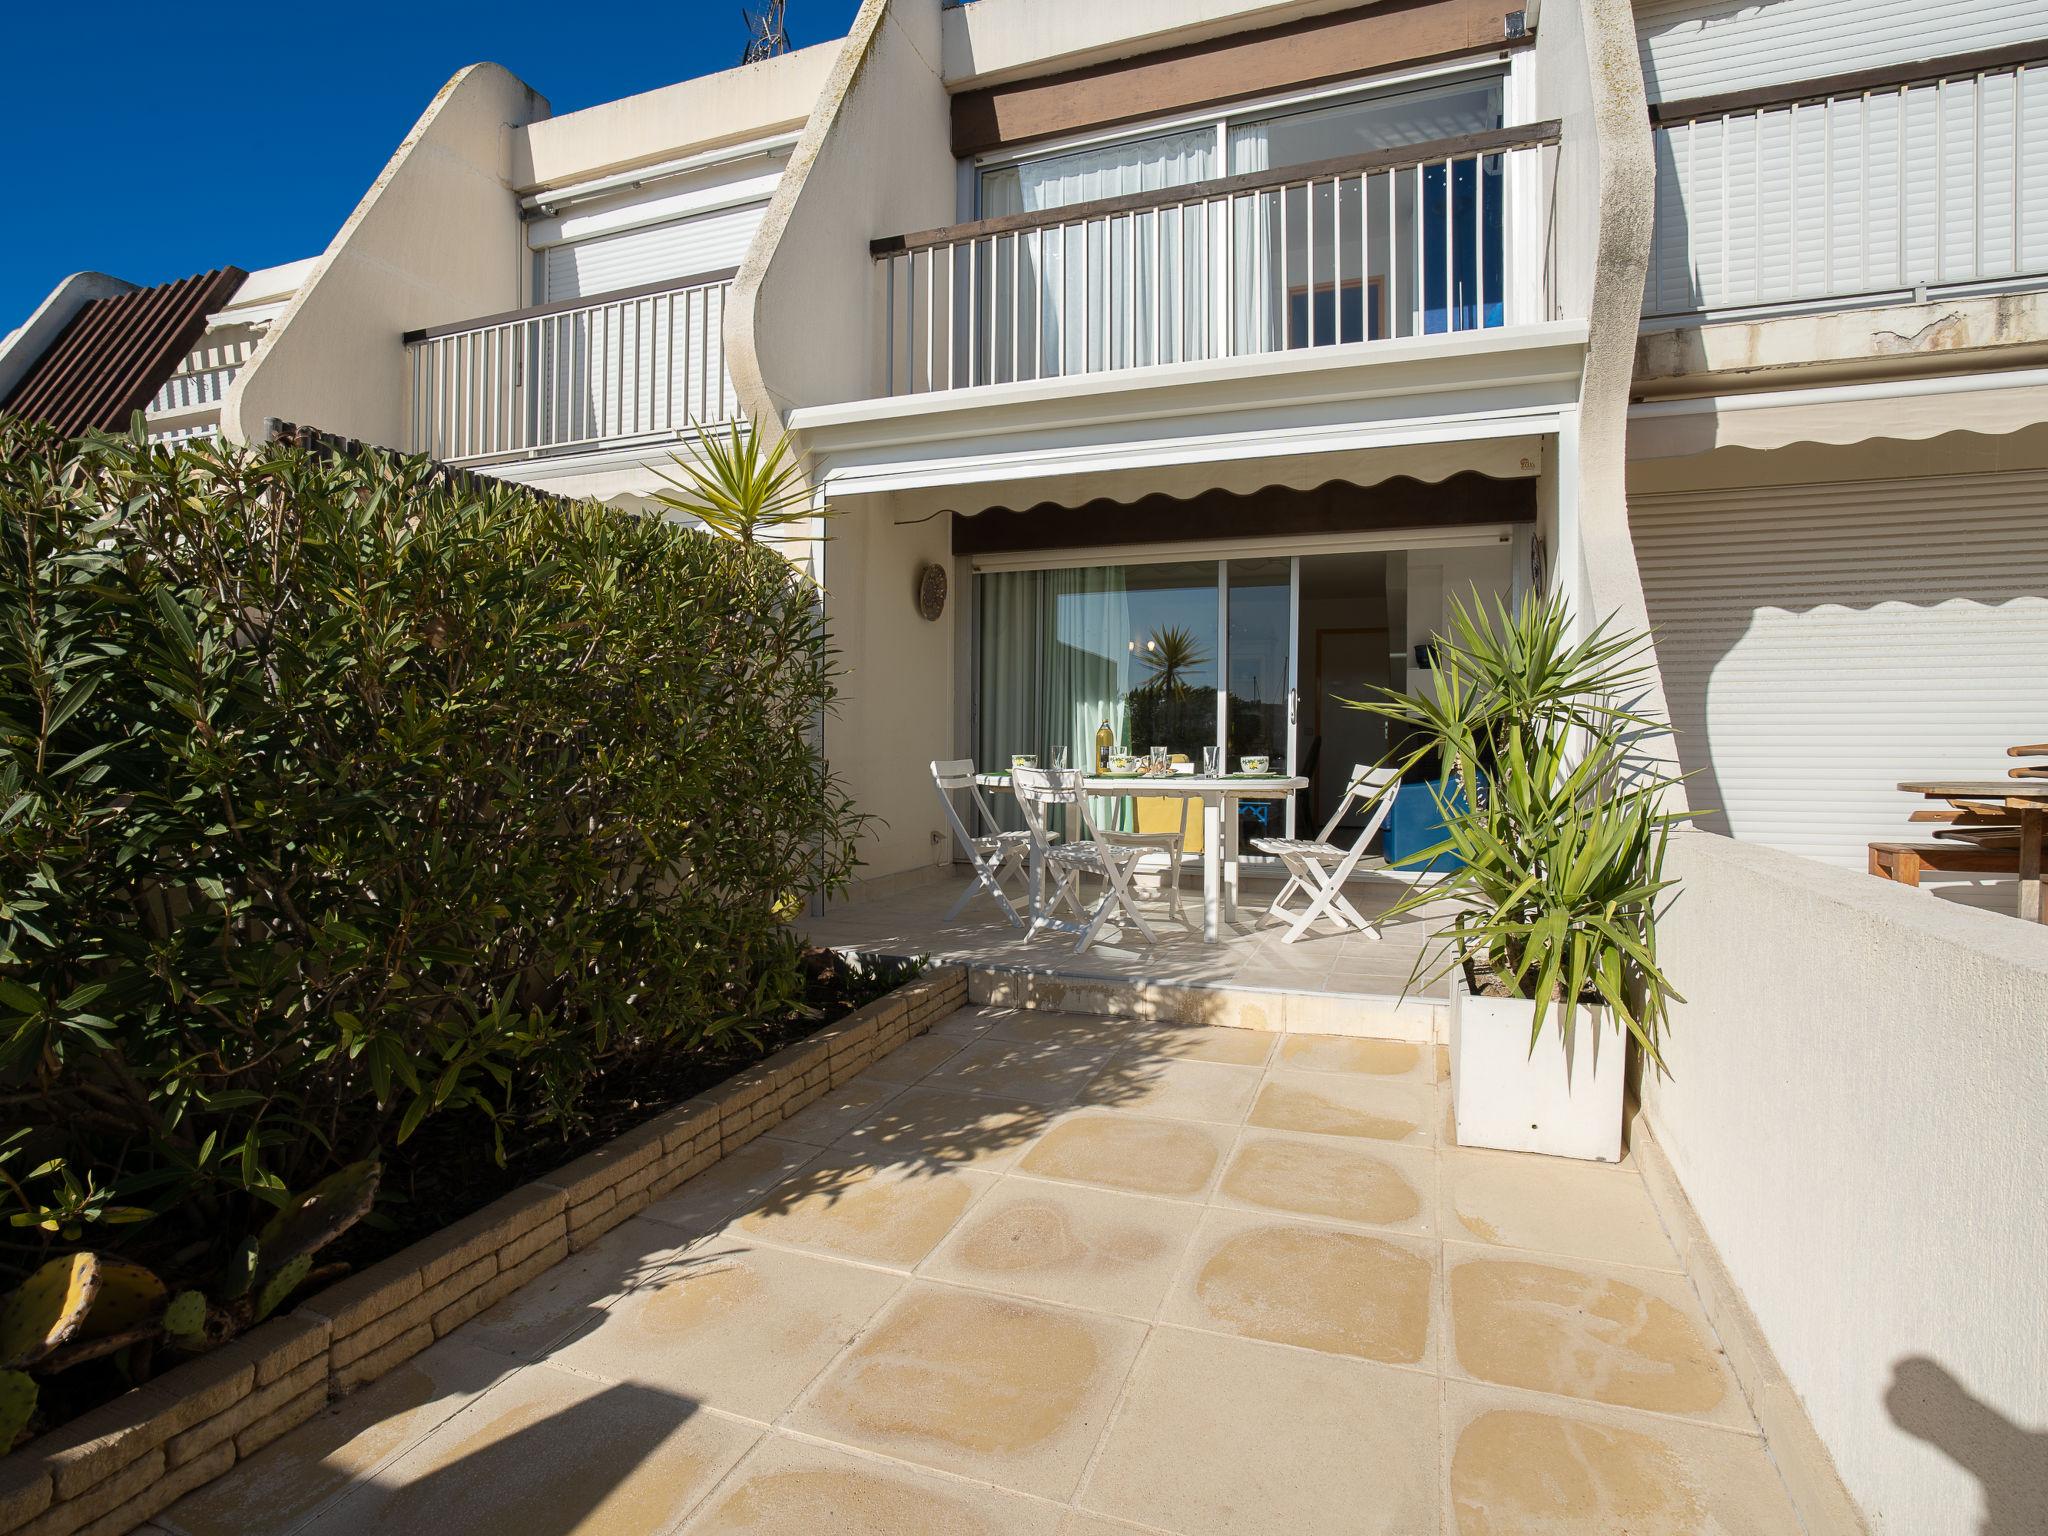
column 1936, row 184
column 1703, row 47
column 116, row 353
column 1820, row 643
column 631, row 258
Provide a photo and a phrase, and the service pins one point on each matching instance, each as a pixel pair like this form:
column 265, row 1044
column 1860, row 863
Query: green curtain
column 1010, row 699
column 1085, row 667
column 1086, row 648
column 1054, row 650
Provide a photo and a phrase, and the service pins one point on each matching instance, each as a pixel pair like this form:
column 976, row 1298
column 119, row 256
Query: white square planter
column 1563, row 1099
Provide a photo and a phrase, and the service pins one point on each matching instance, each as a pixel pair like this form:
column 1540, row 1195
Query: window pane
column 1105, row 170
column 1261, row 637
column 1064, row 652
column 1381, row 121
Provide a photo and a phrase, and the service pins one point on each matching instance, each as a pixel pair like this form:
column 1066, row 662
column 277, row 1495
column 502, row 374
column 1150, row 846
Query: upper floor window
column 1107, row 170
column 1382, row 120
column 1257, row 138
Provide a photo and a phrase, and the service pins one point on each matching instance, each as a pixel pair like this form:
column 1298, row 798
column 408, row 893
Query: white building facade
column 1236, row 341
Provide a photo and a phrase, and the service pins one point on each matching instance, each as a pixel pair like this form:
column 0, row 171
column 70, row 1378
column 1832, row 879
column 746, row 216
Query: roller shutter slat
column 1820, row 643
column 1704, row 47
column 630, row 258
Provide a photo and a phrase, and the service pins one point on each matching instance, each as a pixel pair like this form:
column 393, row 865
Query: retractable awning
column 1909, row 409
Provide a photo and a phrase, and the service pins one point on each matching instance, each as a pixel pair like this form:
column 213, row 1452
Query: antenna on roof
column 767, row 32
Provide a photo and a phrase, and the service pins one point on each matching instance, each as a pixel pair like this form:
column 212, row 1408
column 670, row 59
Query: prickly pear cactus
column 241, row 1270
column 17, row 1406
column 127, row 1309
column 319, row 1216
column 185, row 1319
column 130, row 1297
column 48, row 1309
column 281, row 1284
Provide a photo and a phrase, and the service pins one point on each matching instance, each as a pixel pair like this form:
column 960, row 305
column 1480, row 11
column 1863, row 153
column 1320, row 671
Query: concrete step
column 1276, row 1010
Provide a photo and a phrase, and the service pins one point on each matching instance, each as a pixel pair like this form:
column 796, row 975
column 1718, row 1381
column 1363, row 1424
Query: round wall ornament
column 931, row 592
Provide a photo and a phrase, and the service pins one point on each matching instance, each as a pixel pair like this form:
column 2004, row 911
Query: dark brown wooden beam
column 1463, row 500
column 1296, row 55
column 1527, row 136
column 562, row 306
column 1886, row 77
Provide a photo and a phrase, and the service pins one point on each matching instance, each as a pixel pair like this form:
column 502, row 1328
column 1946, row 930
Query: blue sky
column 152, row 141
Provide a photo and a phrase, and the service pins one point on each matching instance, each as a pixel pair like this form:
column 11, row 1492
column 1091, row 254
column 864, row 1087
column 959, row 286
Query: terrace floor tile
column 1059, row 1274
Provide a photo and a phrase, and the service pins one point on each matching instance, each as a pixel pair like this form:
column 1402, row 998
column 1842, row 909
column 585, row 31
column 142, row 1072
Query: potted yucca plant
column 1550, row 934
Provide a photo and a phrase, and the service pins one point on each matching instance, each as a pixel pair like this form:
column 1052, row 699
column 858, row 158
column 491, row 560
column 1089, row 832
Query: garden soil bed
column 447, row 1171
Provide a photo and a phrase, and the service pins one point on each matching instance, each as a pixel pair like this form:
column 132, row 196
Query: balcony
column 640, row 365
column 1859, row 188
column 1429, row 239
column 186, row 408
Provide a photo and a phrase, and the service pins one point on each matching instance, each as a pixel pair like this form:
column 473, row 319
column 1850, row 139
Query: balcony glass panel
column 1383, row 121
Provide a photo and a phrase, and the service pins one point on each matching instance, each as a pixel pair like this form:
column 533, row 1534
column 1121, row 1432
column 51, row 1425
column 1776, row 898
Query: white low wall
column 1857, row 1107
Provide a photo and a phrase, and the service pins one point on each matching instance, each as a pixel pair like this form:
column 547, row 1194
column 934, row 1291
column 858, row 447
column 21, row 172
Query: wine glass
column 1209, row 756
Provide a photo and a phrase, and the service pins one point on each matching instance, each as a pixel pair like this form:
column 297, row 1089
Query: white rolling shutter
column 1705, row 47
column 1939, row 183
column 1820, row 643
column 630, row 258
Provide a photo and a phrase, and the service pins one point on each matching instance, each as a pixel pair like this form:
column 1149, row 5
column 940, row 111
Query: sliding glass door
column 1142, row 649
column 1259, row 613
column 1066, row 651
column 1256, row 656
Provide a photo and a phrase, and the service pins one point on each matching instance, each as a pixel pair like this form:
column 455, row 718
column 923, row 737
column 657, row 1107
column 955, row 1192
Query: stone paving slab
column 1060, row 1275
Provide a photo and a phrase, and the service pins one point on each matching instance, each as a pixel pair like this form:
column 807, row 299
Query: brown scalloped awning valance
column 1462, row 500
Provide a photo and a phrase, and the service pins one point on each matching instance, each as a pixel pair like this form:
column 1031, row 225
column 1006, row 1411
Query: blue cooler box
column 1416, row 824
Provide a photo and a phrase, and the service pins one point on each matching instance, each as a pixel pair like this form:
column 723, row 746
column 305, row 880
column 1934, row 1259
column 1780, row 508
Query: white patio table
column 1219, row 796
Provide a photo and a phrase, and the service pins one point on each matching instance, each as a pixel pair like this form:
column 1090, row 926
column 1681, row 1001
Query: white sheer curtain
column 1084, row 668
column 1251, row 149
column 1090, row 277
column 1054, row 654
column 1107, row 170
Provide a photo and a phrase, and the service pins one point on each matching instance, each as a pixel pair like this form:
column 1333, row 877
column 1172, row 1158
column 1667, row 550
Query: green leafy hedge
column 338, row 792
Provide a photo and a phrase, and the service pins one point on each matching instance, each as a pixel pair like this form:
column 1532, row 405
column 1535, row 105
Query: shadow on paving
column 938, row 1125
column 533, row 1466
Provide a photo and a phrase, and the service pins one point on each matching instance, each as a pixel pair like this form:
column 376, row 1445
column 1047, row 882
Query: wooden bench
column 1975, row 839
column 1903, row 862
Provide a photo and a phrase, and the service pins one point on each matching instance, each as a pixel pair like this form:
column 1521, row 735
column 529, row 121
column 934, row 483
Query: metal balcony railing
column 1928, row 176
column 203, row 378
column 641, row 363
column 1444, row 236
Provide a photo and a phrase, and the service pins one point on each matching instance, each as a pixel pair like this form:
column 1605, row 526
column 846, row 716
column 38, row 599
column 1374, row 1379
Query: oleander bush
column 338, row 792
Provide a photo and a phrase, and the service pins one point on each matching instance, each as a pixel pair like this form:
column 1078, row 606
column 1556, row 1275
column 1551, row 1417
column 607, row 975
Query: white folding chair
column 1169, row 845
column 1318, row 867
column 993, row 854
column 1037, row 791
